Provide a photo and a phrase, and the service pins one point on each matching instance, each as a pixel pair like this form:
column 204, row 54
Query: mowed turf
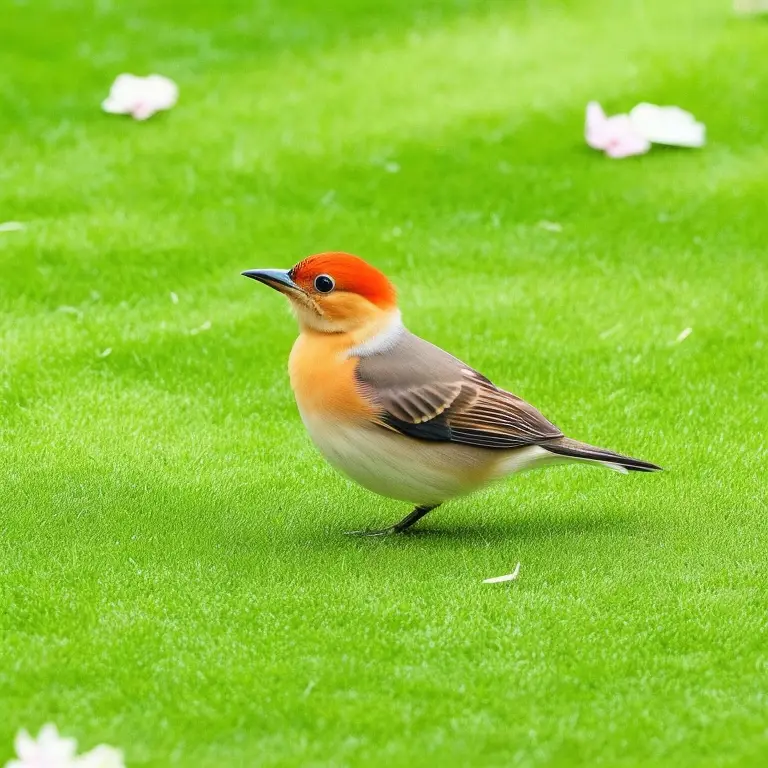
column 173, row 571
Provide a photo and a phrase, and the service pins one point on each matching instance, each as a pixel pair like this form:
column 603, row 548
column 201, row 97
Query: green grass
column 173, row 574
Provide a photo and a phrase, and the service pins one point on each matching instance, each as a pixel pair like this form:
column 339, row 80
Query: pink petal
column 627, row 147
column 596, row 126
column 142, row 110
column 141, row 97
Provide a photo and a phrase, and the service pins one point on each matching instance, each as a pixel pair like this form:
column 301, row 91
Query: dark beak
column 279, row 279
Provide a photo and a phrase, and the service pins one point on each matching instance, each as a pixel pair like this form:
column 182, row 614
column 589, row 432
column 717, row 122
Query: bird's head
column 333, row 292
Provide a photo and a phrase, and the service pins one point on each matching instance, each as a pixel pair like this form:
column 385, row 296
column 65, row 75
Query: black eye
column 324, row 283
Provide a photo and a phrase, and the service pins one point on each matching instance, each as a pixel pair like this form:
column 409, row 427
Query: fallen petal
column 54, row 745
column 750, row 6
column 625, row 140
column 67, row 310
column 142, row 111
column 672, row 126
column 499, row 579
column 48, row 750
column 12, row 226
column 140, row 97
column 206, row 326
column 121, row 94
column 627, row 147
column 595, row 126
column 615, row 135
column 25, row 745
column 683, row 335
column 51, row 750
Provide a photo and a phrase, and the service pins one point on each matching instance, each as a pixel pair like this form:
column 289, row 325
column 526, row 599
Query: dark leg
column 404, row 524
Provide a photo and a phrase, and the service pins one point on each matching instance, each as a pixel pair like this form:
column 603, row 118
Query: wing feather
column 426, row 393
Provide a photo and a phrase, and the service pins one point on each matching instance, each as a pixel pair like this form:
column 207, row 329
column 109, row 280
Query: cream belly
column 412, row 470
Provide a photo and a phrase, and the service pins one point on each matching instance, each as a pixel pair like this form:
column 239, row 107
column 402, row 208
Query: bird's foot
column 404, row 524
column 381, row 532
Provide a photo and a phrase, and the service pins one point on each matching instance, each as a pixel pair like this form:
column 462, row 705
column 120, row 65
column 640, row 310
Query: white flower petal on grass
column 206, row 326
column 595, row 125
column 67, row 310
column 672, row 126
column 51, row 750
column 610, row 331
column 11, row 226
column 140, row 97
column 750, row 6
column 683, row 335
column 499, row 579
column 647, row 124
column 101, row 757
column 48, row 750
column 616, row 136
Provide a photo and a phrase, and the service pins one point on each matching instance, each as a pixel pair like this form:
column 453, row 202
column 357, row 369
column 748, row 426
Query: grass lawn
column 173, row 575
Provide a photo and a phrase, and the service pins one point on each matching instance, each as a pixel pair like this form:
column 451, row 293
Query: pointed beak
column 279, row 279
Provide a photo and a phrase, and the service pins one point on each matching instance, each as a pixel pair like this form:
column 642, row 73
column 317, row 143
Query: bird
column 397, row 414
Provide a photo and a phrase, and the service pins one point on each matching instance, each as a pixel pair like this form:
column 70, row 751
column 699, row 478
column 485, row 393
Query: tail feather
column 564, row 446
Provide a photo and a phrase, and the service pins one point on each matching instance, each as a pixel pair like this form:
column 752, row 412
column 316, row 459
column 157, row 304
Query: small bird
column 397, row 414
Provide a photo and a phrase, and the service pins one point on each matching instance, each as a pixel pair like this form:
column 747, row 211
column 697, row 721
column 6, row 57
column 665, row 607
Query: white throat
column 383, row 341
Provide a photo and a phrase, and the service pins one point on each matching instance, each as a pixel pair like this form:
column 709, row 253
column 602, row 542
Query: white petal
column 122, row 94
column 48, row 733
column 113, row 106
column 206, row 326
column 595, row 112
column 615, row 135
column 52, row 748
column 12, row 226
column 140, row 97
column 26, row 746
column 668, row 125
column 509, row 577
column 143, row 110
column 164, row 90
column 124, row 81
column 594, row 126
column 750, row 6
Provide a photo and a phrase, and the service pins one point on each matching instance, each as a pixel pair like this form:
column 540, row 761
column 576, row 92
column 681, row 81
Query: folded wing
column 426, row 393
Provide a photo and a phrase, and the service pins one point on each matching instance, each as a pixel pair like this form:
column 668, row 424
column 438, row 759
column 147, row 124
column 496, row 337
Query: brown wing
column 424, row 392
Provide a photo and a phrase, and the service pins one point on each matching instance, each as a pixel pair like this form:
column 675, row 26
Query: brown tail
column 564, row 446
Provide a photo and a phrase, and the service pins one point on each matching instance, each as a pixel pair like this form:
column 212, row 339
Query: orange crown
column 350, row 273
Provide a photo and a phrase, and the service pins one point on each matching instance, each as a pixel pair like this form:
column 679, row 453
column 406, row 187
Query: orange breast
column 323, row 378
